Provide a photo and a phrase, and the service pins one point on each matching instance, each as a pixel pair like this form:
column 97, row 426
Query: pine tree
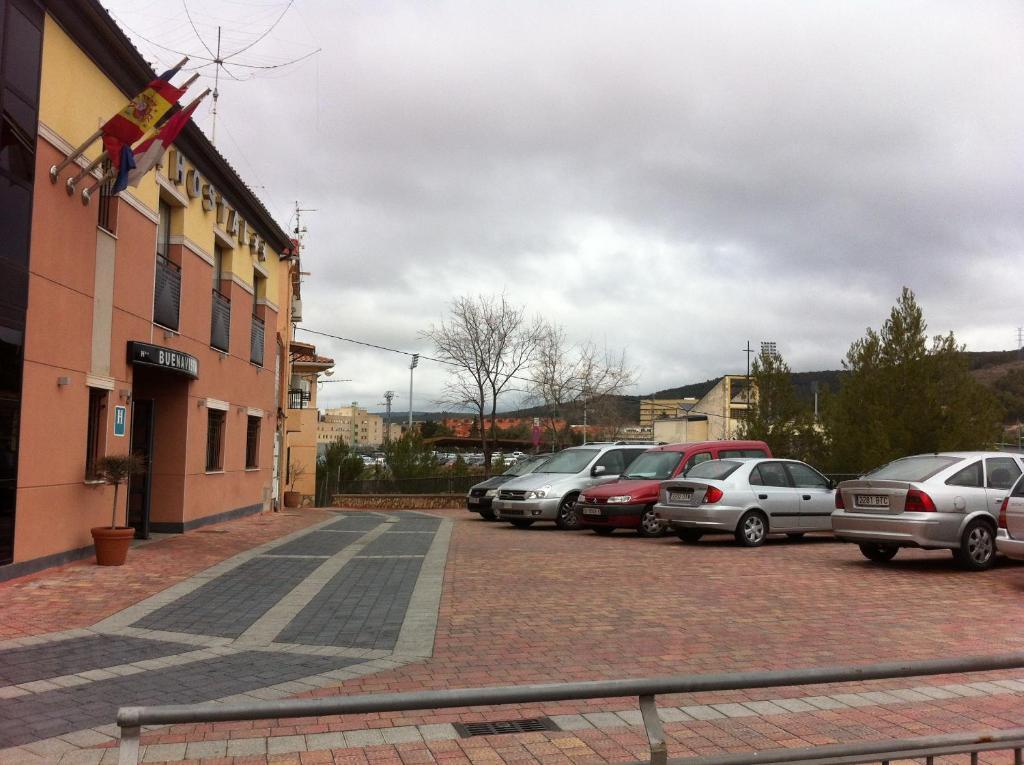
column 904, row 396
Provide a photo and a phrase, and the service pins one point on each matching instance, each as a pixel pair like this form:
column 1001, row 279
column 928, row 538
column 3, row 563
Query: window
column 252, row 442
column 215, row 440
column 717, row 469
column 970, row 476
column 167, row 292
column 919, row 468
column 163, row 231
column 611, row 461
column 696, row 459
column 96, row 430
column 218, row 267
column 1002, row 472
column 732, row 453
column 773, row 474
column 1018, row 490
column 805, row 477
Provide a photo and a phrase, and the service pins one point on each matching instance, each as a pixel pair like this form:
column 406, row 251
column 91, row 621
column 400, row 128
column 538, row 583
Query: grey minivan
column 550, row 492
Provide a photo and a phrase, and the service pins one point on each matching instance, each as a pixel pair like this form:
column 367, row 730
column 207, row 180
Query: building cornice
column 91, row 27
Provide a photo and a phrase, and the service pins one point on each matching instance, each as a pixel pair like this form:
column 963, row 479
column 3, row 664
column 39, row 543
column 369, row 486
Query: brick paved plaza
column 321, row 603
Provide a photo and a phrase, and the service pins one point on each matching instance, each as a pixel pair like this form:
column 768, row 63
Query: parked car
column 1010, row 536
column 481, row 495
column 748, row 498
column 944, row 501
column 550, row 492
column 628, row 503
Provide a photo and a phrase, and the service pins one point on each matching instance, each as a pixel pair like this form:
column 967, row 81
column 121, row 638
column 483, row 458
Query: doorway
column 140, row 485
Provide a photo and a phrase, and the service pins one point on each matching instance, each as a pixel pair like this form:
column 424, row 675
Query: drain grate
column 528, row 725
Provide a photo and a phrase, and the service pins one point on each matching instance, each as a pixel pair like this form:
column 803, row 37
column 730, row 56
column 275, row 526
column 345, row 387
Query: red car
column 628, row 502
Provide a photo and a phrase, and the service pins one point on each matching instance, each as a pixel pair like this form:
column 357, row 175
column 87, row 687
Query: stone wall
column 399, row 501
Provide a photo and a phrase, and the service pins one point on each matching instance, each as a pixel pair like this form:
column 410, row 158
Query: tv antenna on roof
column 226, row 61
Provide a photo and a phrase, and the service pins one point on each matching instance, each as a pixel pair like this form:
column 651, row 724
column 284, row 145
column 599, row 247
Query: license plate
column 684, row 495
column 474, row 501
column 591, row 511
column 872, row 500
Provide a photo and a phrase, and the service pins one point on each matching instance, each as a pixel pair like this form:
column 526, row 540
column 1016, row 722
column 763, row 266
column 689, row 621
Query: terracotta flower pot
column 293, row 499
column 112, row 544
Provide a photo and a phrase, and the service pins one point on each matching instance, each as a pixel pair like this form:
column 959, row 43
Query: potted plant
column 294, row 498
column 112, row 541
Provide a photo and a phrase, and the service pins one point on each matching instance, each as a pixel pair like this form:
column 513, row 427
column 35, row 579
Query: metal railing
column 220, row 323
column 167, row 295
column 131, row 719
column 298, row 398
column 256, row 340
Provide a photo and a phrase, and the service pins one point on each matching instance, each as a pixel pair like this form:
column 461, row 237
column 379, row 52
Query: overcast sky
column 671, row 178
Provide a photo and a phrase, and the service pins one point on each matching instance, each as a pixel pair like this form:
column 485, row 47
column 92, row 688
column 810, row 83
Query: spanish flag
column 140, row 115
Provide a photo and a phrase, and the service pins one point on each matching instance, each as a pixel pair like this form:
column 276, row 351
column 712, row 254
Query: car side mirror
column 597, row 470
column 831, row 484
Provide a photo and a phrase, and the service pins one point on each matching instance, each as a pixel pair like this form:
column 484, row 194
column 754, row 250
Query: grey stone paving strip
column 137, row 611
column 416, row 637
column 50, row 637
column 270, row 625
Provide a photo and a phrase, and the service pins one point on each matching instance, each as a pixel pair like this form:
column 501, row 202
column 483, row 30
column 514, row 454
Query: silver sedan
column 945, row 501
column 1010, row 539
column 749, row 498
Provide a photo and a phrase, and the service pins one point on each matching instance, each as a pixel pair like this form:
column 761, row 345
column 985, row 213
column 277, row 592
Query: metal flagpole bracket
column 55, row 169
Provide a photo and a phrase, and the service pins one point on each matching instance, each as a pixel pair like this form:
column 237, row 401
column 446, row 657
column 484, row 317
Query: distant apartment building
column 663, row 408
column 351, row 424
column 715, row 416
column 465, row 426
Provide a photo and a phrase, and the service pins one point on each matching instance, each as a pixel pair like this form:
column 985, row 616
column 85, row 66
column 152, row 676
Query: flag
column 140, row 115
column 148, row 153
column 125, row 163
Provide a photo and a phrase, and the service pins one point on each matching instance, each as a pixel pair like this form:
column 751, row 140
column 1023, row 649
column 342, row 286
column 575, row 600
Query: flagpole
column 55, row 170
column 87, row 193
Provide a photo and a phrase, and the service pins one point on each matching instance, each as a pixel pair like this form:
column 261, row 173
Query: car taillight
column 1002, row 512
column 712, row 495
column 840, row 505
column 918, row 502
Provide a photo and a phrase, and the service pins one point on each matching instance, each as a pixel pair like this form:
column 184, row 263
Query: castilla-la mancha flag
column 148, row 153
column 140, row 115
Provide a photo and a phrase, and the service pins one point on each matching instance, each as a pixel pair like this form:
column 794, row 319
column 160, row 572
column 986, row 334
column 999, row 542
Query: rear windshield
column 526, row 466
column 569, row 461
column 718, row 469
column 653, row 465
column 914, row 468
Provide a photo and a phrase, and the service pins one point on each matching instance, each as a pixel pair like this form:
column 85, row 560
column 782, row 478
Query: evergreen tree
column 335, row 468
column 904, row 396
column 776, row 415
column 409, row 457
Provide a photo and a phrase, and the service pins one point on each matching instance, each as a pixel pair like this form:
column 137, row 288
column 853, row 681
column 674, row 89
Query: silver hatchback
column 749, row 498
column 944, row 501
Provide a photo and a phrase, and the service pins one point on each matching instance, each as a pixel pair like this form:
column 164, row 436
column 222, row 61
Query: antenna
column 389, row 395
column 300, row 230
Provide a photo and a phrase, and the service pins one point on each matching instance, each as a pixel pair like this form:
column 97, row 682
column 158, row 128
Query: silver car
column 944, row 501
column 1010, row 537
column 749, row 498
column 550, row 492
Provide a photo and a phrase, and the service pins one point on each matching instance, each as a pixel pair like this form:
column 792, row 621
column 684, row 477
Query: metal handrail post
column 655, row 733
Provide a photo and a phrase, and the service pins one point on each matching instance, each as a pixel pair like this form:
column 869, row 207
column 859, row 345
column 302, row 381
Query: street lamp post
column 412, row 366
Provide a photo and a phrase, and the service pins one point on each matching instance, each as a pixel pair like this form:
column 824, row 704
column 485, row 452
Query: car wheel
column 488, row 515
column 649, row 526
column 603, row 531
column 520, row 523
column 878, row 552
column 752, row 529
column 796, row 536
column 690, row 536
column 977, row 547
column 568, row 517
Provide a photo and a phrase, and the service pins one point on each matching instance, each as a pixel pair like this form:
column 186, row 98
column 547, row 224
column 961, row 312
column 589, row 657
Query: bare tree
column 570, row 378
column 489, row 342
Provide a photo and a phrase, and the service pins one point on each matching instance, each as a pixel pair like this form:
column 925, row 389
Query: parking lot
column 540, row 605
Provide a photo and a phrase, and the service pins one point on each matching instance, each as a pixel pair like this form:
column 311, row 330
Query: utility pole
column 748, row 350
column 1020, row 341
column 389, row 396
column 412, row 366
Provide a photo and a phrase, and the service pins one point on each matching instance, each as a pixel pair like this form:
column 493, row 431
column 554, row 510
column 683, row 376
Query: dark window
column 611, row 461
column 724, row 454
column 970, row 476
column 252, row 442
column 96, row 430
column 1018, row 490
column 163, row 231
column 696, row 459
column 1002, row 472
column 106, row 217
column 167, row 292
column 773, row 474
column 218, row 267
column 21, row 50
column 717, row 469
column 215, row 440
column 805, row 477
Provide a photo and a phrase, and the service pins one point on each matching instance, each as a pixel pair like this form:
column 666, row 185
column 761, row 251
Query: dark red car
column 628, row 503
